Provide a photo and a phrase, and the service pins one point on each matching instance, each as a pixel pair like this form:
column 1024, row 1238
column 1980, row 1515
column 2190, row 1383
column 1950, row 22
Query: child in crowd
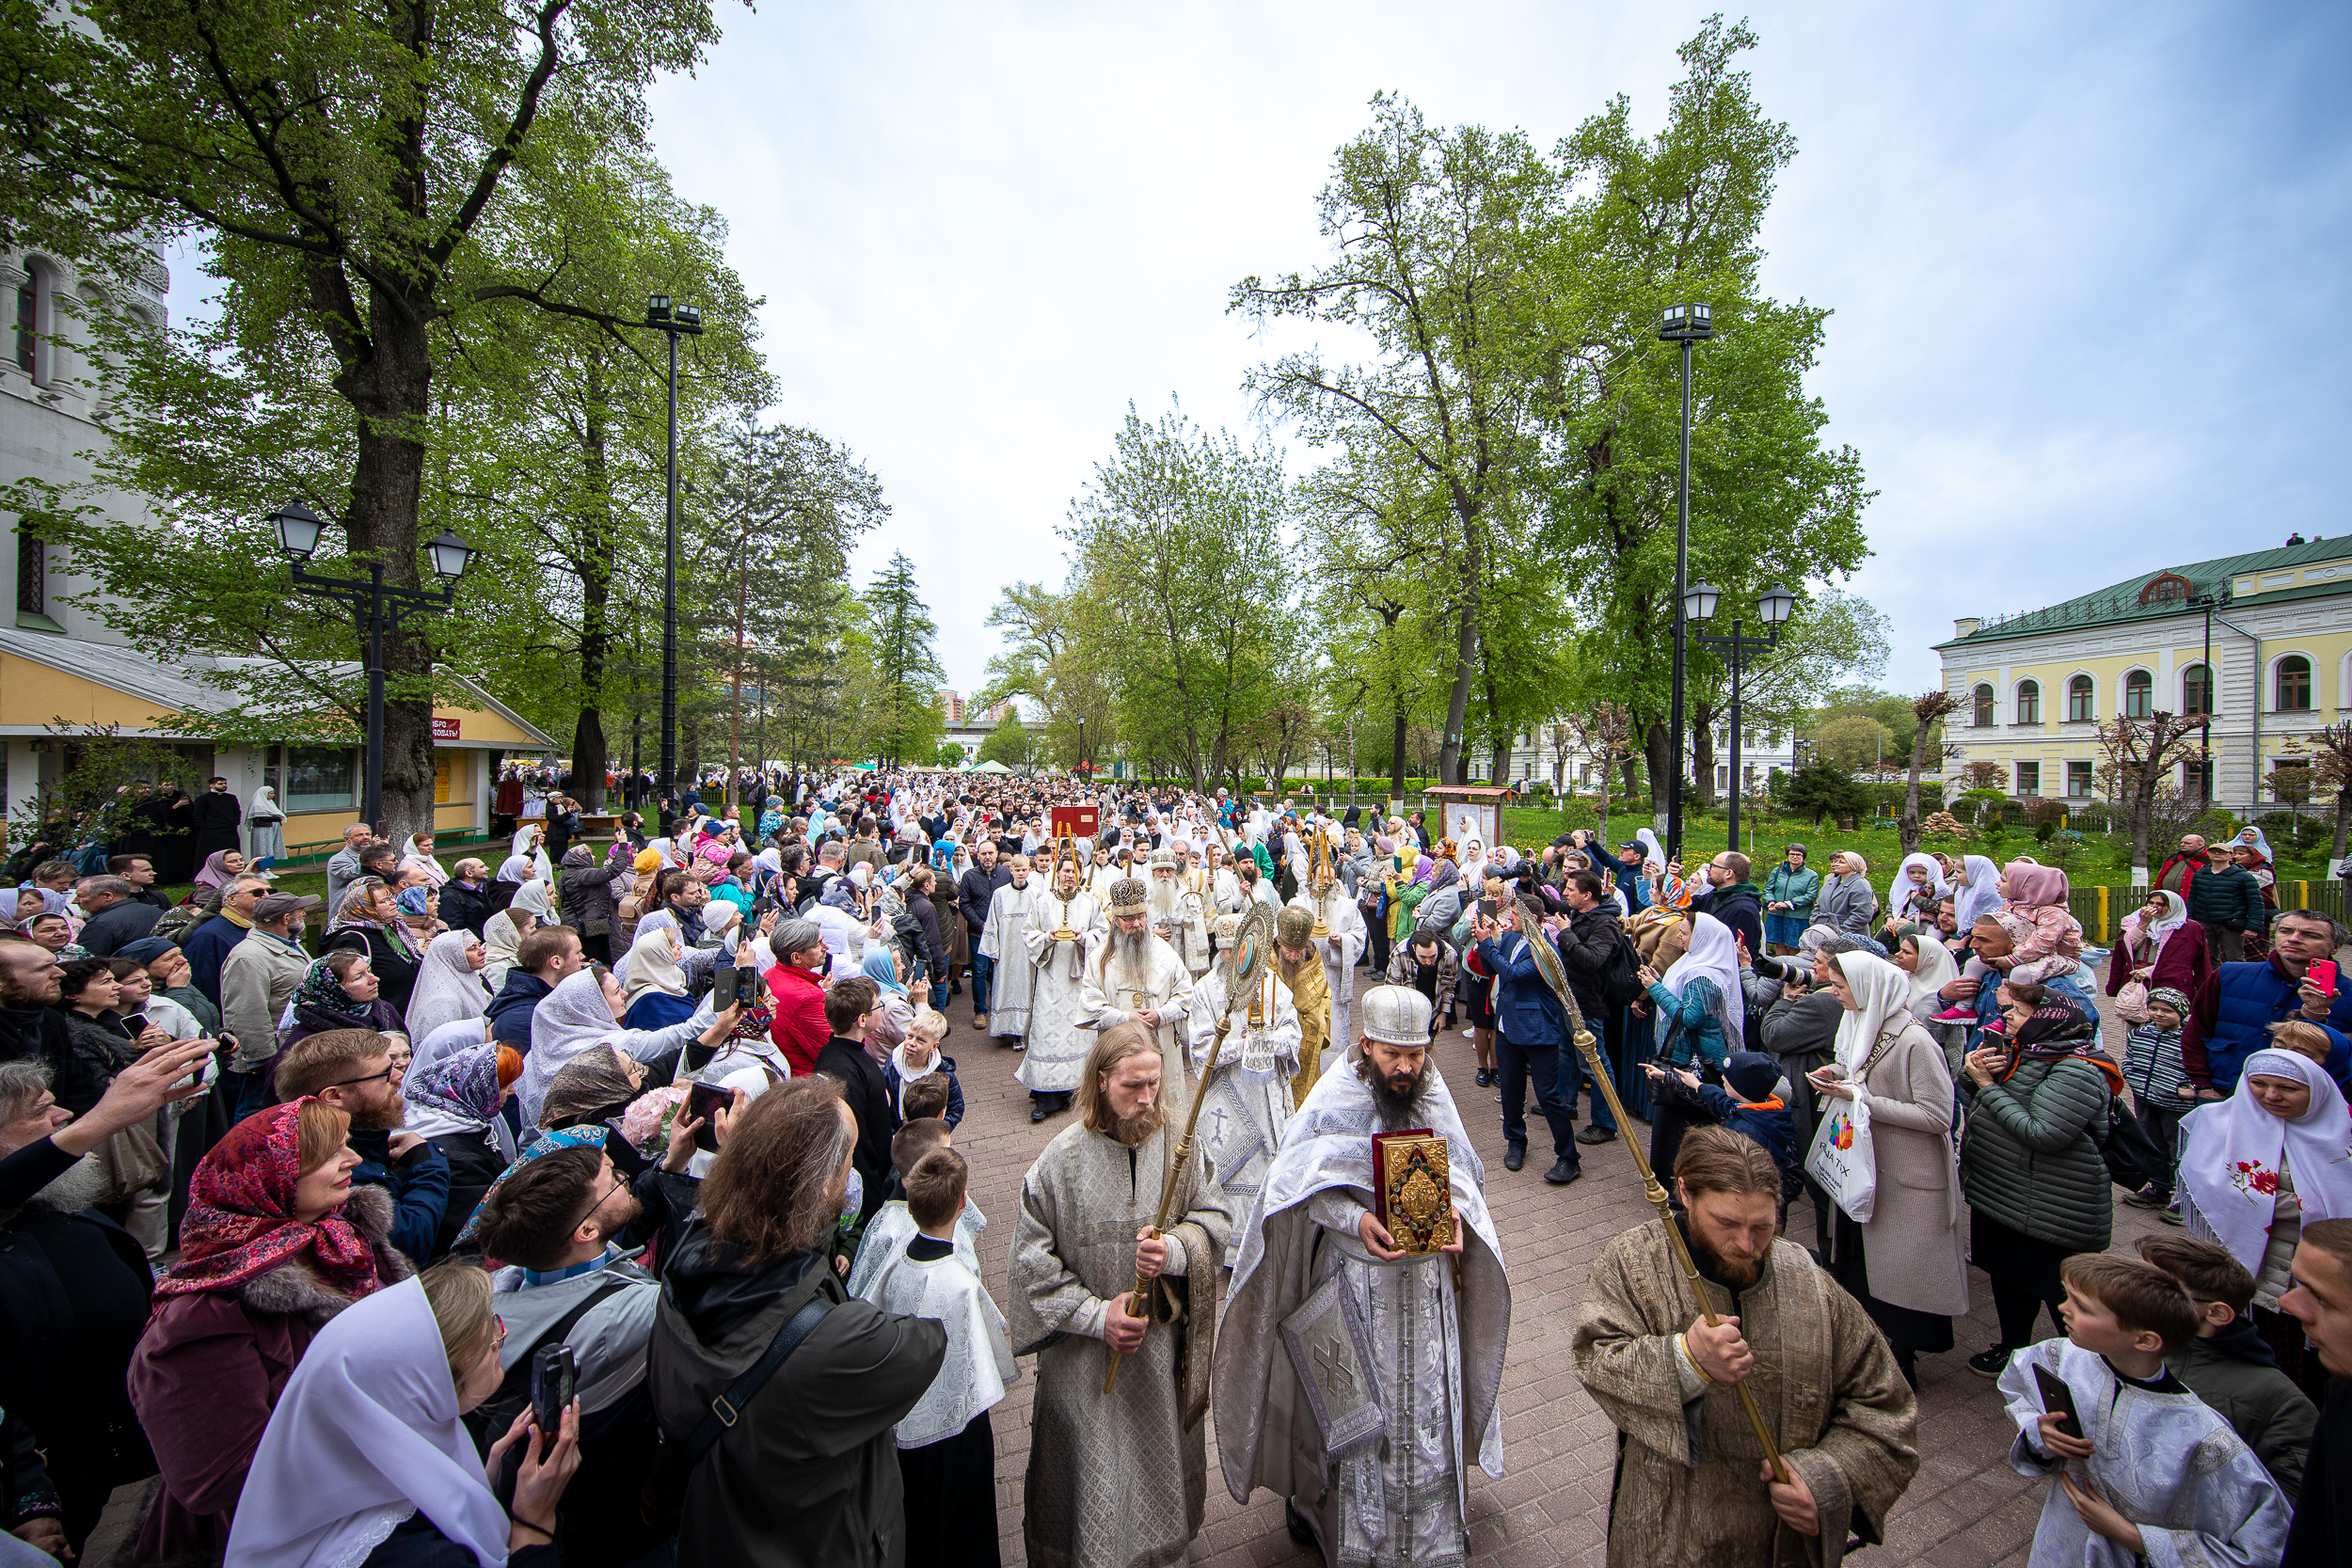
column 2148, row 1449
column 2229, row 1365
column 1750, row 1108
column 917, row 1058
column 892, row 1225
column 2055, row 946
column 947, row 1450
column 2152, row 1066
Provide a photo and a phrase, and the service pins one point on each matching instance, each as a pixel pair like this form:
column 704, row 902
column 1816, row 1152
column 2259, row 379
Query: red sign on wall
column 445, row 729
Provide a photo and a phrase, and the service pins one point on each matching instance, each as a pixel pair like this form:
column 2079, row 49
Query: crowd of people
column 598, row 1202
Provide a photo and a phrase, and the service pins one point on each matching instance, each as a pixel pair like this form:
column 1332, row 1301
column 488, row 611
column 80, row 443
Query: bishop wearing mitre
column 1179, row 907
column 1340, row 934
column 1131, row 974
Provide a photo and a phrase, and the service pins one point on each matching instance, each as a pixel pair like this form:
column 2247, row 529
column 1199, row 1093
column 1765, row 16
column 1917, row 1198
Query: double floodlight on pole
column 1775, row 606
column 374, row 610
column 1686, row 324
column 673, row 321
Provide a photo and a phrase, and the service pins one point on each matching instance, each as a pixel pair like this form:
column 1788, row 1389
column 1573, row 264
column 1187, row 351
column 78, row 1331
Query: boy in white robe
column 893, row 1227
column 947, row 1450
column 2155, row 1475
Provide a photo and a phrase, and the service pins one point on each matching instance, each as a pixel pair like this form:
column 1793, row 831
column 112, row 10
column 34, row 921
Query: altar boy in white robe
column 1063, row 925
column 1407, row 1362
column 947, row 1450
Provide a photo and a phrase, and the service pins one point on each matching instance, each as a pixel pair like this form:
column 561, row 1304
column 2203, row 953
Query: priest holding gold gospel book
column 1361, row 1357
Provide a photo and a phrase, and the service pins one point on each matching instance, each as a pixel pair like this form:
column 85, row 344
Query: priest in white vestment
column 1328, row 901
column 1407, row 1363
column 1117, row 1479
column 1179, row 910
column 1131, row 974
column 1011, row 910
column 1246, row 1102
column 1062, row 923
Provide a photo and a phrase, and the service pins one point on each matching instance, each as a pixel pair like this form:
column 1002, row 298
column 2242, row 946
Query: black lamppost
column 374, row 610
column 1776, row 604
column 1687, row 325
column 673, row 322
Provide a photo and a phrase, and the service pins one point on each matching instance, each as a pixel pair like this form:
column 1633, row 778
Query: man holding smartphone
column 1530, row 1029
column 2232, row 1016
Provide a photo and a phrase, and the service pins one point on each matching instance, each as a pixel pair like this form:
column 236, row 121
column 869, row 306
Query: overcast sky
column 2088, row 262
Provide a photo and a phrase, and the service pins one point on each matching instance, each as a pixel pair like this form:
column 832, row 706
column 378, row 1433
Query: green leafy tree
column 906, row 670
column 1820, row 790
column 951, row 754
column 1182, row 591
column 344, row 172
column 1008, row 743
column 1853, row 742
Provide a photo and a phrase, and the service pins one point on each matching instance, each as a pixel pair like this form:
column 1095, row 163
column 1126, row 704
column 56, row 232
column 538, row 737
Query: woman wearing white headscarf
column 528, row 843
column 265, row 820
column 503, row 932
column 417, row 852
column 652, row 984
column 449, row 987
column 583, row 1011
column 1931, row 967
column 2257, row 1167
column 1908, row 1262
column 2160, row 946
column 1700, row 1018
column 365, row 1459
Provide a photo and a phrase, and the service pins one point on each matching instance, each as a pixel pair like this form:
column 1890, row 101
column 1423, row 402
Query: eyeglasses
column 390, row 1069
column 590, row 1213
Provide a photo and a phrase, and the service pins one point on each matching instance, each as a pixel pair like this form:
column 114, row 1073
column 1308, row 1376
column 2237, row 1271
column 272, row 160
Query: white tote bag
column 1842, row 1158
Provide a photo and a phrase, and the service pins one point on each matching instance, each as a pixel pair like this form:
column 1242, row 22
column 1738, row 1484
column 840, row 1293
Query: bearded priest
column 1179, row 906
column 1120, row 1478
column 1358, row 1380
column 1064, row 919
column 1694, row 1489
column 1132, row 975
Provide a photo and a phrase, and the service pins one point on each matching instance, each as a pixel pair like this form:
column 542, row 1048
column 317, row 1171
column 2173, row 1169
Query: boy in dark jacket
column 1746, row 1104
column 2229, row 1365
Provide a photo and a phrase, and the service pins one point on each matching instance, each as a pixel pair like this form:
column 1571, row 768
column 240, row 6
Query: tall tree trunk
column 596, row 567
column 1908, row 828
column 1396, row 751
column 1659, row 742
column 1702, row 757
column 391, row 390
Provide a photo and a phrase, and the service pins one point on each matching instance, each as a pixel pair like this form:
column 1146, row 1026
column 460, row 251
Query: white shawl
column 449, row 990
column 2233, row 1144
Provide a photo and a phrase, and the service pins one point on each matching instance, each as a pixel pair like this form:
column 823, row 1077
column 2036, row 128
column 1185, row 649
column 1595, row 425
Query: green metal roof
column 2121, row 602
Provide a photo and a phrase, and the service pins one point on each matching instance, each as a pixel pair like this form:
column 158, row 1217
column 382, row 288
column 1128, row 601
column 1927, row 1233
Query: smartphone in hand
column 2058, row 1400
column 2323, row 974
column 701, row 1101
column 554, row 1378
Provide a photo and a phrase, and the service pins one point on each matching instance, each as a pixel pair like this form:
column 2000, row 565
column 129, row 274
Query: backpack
column 179, row 923
column 1620, row 980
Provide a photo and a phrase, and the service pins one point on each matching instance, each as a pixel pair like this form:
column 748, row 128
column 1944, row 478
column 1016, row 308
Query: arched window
column 2196, row 692
column 2079, row 707
column 2140, row 695
column 2029, row 701
column 1980, row 713
column 25, row 351
column 2295, row 683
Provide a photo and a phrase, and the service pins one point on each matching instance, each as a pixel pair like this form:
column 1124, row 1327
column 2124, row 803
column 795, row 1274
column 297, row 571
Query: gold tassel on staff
column 1253, row 949
column 1556, row 976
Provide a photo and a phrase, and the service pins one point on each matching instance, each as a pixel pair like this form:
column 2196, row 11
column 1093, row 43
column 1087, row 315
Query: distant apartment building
column 950, row 705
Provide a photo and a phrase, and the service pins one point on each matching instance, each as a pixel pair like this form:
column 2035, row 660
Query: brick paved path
column 1966, row 1508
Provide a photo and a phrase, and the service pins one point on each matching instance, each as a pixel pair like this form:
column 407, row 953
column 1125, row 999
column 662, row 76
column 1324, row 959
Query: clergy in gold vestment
column 1120, row 1479
column 1309, row 982
column 1690, row 1488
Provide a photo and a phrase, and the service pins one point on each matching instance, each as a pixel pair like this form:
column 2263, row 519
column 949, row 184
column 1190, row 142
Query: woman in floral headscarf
column 339, row 991
column 454, row 1105
column 369, row 923
column 277, row 1242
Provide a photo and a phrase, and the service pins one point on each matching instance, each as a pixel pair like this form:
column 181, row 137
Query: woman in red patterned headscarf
column 277, row 1241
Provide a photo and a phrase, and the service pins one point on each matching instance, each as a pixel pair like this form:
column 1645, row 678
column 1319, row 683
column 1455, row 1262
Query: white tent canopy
column 991, row 766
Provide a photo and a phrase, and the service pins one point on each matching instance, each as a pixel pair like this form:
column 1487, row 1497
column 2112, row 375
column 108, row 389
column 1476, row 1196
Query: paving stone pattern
column 1965, row 1510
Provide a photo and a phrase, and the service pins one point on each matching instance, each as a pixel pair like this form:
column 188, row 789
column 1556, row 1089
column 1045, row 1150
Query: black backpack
column 1620, row 980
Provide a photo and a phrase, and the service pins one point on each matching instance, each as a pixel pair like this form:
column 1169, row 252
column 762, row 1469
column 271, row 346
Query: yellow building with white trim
column 2033, row 688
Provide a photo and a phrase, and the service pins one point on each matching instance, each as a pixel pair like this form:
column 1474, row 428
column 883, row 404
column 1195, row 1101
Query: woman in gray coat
column 1907, row 1263
column 1845, row 905
column 2029, row 1161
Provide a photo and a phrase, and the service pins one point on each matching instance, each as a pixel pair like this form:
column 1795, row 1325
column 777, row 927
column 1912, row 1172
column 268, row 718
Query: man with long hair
column 1694, row 1489
column 1117, row 1477
column 806, row 1471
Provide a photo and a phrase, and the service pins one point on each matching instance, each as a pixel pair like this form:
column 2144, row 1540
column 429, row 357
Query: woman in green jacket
column 2030, row 1168
column 1788, row 896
